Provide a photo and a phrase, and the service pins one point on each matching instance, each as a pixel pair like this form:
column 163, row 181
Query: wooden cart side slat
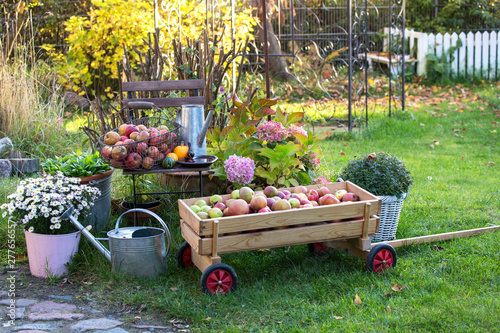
column 363, row 195
column 190, row 236
column 439, row 237
column 286, row 237
column 189, row 217
column 283, row 218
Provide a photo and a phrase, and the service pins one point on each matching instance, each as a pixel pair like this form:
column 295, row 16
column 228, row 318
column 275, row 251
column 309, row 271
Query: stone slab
column 114, row 330
column 50, row 306
column 19, row 313
column 35, row 326
column 54, row 316
column 21, row 302
column 95, row 324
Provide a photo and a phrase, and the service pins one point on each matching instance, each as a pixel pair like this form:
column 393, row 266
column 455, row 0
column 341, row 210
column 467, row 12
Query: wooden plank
column 470, row 54
column 188, row 216
column 169, row 102
column 422, row 51
column 439, row 45
column 462, row 55
column 190, row 236
column 439, row 237
column 446, row 47
column 364, row 195
column 348, row 247
column 215, row 238
column 477, row 54
column 454, row 62
column 163, row 85
column 202, row 262
column 366, row 220
column 493, row 56
column 286, row 237
column 485, row 55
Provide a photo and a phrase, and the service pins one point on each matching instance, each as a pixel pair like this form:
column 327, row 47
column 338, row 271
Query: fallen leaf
column 389, row 294
column 431, row 146
column 491, row 163
column 436, row 142
column 337, row 317
column 396, row 287
column 387, row 308
column 437, row 247
column 174, row 288
column 137, row 317
column 346, row 144
column 439, row 125
column 494, row 131
column 208, row 318
column 278, row 322
column 422, row 124
column 342, row 153
column 357, row 300
column 138, row 287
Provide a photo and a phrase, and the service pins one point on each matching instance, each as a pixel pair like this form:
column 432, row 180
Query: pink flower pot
column 48, row 254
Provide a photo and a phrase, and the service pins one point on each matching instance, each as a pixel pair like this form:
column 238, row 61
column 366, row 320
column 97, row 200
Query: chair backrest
column 131, row 89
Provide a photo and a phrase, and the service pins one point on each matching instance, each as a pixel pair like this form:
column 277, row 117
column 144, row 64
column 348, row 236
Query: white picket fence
column 479, row 55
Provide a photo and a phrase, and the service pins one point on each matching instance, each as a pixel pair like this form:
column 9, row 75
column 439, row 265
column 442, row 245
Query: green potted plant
column 387, row 177
column 91, row 170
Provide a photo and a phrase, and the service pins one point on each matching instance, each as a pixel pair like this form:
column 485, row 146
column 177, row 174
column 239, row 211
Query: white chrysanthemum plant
column 39, row 203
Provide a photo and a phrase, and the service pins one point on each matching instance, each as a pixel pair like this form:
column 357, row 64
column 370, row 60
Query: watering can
column 136, row 251
column 194, row 127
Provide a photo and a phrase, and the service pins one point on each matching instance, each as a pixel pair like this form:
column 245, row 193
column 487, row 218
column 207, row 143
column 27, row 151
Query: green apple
column 205, row 209
column 215, row 213
column 235, row 194
column 203, row 215
column 195, row 208
column 215, row 199
column 200, row 203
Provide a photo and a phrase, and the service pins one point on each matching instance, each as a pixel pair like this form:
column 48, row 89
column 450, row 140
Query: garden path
column 67, row 306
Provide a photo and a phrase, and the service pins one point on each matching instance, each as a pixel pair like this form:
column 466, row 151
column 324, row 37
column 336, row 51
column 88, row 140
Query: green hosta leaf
column 293, row 182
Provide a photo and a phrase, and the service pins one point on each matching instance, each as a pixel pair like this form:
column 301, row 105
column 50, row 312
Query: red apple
column 134, row 135
column 305, row 202
column 118, row 152
column 133, row 161
column 141, row 148
column 106, row 152
column 143, row 136
column 258, row 202
column 322, row 191
column 350, row 197
column 328, row 199
column 111, row 137
column 312, row 195
column 155, row 140
column 129, row 129
column 153, row 152
column 141, row 128
column 129, row 144
column 148, row 162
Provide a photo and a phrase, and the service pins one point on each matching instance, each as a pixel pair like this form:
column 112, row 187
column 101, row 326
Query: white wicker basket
column 389, row 218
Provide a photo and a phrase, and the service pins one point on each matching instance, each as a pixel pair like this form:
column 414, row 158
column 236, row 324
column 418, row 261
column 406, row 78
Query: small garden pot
column 49, row 254
column 139, row 216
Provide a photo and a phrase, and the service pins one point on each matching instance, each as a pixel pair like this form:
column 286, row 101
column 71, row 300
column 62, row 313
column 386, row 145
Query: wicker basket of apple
column 140, row 144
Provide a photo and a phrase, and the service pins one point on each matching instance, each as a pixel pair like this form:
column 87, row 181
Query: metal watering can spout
column 104, row 251
column 204, row 129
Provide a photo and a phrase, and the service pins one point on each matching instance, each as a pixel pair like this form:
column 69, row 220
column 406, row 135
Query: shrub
column 381, row 174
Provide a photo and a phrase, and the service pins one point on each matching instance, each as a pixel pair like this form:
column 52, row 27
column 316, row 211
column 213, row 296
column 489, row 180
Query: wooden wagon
column 343, row 226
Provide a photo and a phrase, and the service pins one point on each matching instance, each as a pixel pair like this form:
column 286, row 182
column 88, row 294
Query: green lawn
column 454, row 286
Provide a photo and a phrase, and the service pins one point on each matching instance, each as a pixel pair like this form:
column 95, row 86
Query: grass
column 450, row 286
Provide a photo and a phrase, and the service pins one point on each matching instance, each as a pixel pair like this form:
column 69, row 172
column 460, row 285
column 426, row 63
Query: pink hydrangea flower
column 271, row 131
column 296, row 129
column 239, row 169
column 321, row 180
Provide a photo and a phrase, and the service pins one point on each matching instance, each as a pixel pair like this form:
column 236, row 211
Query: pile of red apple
column 137, row 146
column 246, row 201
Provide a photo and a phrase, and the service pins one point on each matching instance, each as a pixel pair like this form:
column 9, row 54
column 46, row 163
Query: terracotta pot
column 87, row 179
column 138, row 216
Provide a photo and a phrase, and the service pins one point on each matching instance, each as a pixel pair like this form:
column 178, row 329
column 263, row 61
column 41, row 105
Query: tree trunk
column 277, row 64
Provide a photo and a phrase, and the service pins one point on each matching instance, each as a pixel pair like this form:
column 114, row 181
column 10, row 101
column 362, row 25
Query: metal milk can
column 194, row 127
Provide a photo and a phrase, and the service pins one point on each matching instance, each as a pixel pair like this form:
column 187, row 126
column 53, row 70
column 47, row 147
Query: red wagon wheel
column 381, row 257
column 317, row 248
column 219, row 279
column 184, row 255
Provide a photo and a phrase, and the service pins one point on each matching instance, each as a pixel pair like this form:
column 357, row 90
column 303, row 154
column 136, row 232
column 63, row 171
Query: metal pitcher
column 136, row 251
column 194, row 127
